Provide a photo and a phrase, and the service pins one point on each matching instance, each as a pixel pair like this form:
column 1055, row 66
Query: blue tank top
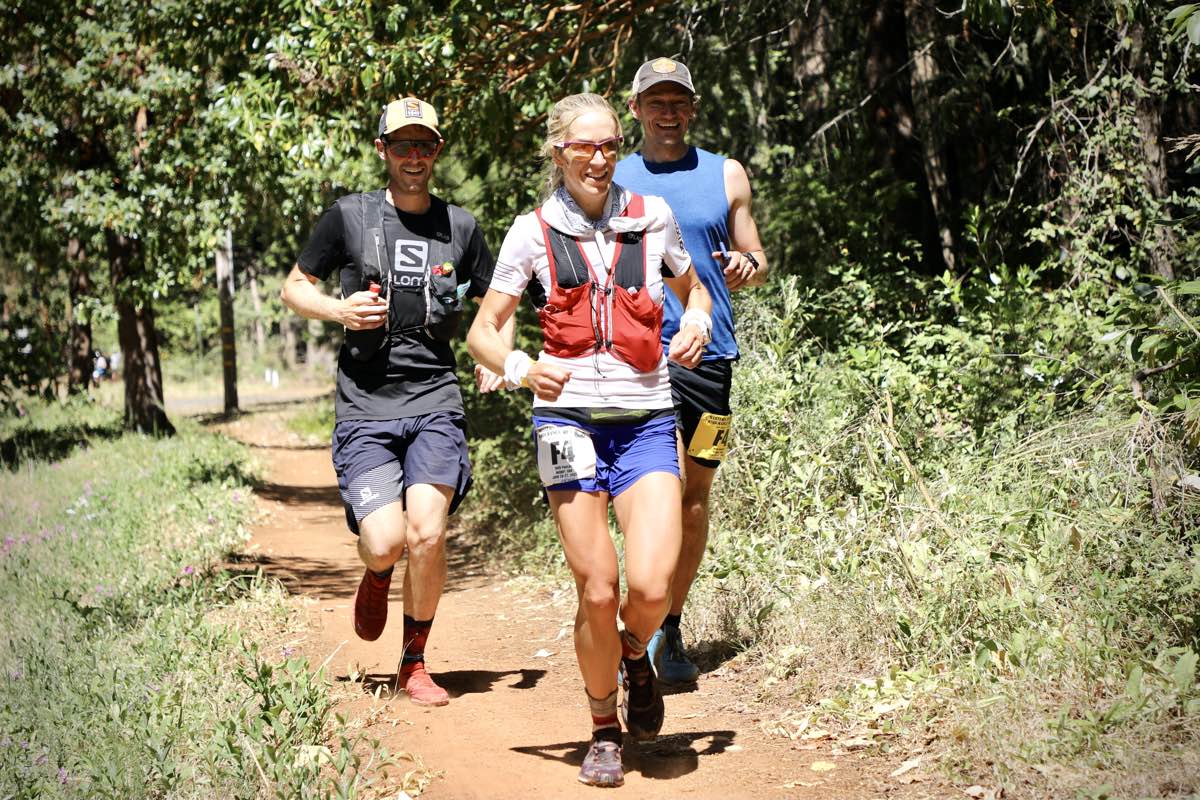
column 694, row 188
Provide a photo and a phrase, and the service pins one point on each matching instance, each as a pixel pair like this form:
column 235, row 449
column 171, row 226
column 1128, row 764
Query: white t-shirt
column 598, row 380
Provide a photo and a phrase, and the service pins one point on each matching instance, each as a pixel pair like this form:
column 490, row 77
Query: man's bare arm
column 740, row 271
column 359, row 312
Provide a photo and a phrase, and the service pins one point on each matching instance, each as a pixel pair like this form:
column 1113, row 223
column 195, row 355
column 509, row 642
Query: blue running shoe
column 669, row 659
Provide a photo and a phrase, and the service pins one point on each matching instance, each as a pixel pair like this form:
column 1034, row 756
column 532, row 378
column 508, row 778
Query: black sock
column 672, row 620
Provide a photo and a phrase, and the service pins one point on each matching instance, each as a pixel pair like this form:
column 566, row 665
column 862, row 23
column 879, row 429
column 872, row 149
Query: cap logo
column 412, row 108
column 664, row 66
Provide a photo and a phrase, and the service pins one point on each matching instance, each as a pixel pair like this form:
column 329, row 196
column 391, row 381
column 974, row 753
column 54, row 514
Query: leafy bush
column 876, row 525
column 109, row 566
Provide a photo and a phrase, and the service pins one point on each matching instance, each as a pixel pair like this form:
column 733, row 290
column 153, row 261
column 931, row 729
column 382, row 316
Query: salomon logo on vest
column 410, row 262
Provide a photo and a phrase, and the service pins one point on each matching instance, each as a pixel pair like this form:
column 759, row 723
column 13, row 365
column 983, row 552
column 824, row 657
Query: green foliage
column 864, row 530
column 110, row 569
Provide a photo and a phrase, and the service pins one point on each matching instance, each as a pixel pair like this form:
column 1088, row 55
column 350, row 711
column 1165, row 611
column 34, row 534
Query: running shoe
column 371, row 605
column 641, row 701
column 420, row 686
column 670, row 661
column 602, row 765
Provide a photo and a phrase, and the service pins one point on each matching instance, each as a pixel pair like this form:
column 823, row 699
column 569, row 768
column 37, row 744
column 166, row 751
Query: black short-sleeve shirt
column 415, row 375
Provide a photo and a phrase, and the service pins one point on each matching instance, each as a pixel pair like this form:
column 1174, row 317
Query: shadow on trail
column 300, row 495
column 455, row 682
column 199, row 407
column 669, row 757
column 334, row 580
column 299, row 575
column 53, row 444
column 293, row 447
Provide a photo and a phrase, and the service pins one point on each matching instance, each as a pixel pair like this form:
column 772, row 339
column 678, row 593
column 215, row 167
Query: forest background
column 964, row 484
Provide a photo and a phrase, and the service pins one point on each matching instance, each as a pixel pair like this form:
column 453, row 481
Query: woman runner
column 595, row 258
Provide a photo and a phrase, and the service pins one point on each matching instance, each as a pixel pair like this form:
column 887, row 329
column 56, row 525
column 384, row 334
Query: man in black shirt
column 405, row 260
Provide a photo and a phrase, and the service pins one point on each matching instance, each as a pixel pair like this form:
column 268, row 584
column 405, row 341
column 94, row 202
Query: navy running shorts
column 376, row 460
column 603, row 457
column 702, row 411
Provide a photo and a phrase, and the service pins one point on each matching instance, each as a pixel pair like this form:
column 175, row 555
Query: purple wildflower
column 189, row 569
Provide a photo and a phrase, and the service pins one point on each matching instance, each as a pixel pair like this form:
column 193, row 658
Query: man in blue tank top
column 710, row 195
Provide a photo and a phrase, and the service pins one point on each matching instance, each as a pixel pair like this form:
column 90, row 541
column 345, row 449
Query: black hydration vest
column 421, row 295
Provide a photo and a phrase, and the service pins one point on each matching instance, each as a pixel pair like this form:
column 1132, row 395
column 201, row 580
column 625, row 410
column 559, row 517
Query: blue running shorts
column 603, row 457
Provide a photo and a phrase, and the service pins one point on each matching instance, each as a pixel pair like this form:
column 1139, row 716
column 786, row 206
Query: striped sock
column 604, row 712
column 632, row 648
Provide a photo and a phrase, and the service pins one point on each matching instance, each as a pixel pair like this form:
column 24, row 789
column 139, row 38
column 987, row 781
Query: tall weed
column 118, row 679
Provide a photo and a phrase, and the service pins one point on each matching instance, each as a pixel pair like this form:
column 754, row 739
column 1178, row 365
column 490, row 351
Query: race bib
column 564, row 453
column 711, row 439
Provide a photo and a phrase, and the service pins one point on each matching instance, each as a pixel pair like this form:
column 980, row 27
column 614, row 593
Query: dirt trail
column 516, row 725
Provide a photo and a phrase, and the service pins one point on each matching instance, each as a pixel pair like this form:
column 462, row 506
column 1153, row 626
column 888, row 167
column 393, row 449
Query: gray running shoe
column 602, row 765
column 641, row 706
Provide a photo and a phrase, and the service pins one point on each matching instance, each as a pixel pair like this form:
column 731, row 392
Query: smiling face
column 588, row 178
column 409, row 159
column 665, row 111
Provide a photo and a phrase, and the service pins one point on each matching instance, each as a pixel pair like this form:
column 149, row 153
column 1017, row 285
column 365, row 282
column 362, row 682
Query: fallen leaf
column 816, row 733
column 855, row 744
column 984, row 793
column 912, row 763
column 543, row 653
column 887, row 708
column 822, row 766
column 733, row 748
column 796, row 783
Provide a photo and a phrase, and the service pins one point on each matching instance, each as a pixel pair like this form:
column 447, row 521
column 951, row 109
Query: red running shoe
column 420, row 686
column 370, row 605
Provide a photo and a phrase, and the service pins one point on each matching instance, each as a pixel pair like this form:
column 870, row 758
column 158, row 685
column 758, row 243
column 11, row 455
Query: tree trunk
column 260, row 332
column 921, row 27
column 224, row 259
column 1149, row 110
column 808, row 40
column 890, row 119
column 289, row 325
column 79, row 344
column 141, row 368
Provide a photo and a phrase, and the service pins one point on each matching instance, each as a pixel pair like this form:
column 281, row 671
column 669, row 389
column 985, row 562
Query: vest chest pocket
column 445, row 301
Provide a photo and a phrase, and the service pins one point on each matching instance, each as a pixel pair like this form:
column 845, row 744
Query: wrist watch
column 750, row 257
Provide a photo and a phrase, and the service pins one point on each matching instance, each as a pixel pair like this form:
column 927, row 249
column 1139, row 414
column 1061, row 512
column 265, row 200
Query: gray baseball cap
column 662, row 69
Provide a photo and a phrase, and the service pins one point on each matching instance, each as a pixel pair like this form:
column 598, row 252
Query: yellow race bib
column 711, row 439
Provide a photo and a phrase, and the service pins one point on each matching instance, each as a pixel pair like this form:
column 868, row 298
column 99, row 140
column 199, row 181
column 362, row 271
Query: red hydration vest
column 585, row 314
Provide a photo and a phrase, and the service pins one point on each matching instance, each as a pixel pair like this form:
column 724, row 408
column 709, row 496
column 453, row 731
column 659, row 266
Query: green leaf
column 1188, row 287
column 1184, row 674
column 1180, row 11
column 1133, row 686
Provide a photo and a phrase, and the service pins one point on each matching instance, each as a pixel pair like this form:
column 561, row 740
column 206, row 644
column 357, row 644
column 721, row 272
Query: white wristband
column 516, row 367
column 697, row 317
